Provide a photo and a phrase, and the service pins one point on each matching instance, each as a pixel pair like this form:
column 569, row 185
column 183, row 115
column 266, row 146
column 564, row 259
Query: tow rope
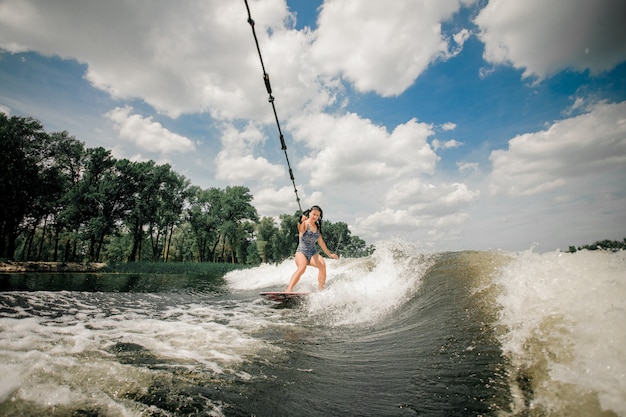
column 268, row 87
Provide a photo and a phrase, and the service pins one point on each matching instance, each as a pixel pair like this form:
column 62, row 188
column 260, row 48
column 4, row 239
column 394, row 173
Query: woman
column 310, row 232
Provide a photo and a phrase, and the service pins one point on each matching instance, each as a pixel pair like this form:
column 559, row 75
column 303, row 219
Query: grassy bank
column 198, row 268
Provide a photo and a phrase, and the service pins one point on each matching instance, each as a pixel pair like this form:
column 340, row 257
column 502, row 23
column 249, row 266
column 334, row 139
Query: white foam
column 361, row 290
column 567, row 311
column 276, row 277
column 67, row 359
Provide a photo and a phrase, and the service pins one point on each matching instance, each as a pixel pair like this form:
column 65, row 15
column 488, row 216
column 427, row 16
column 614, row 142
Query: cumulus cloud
column 448, row 126
column 468, row 166
column 544, row 37
column 272, row 201
column 146, row 133
column 350, row 149
column 180, row 57
column 200, row 57
column 423, row 198
column 400, row 222
column 449, row 144
column 269, row 201
column 236, row 162
column 570, row 149
column 417, row 207
column 383, row 46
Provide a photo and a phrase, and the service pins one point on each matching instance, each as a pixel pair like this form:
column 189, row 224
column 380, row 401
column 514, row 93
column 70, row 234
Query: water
column 401, row 333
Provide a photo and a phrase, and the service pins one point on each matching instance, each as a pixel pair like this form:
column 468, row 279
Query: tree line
column 63, row 202
column 612, row 245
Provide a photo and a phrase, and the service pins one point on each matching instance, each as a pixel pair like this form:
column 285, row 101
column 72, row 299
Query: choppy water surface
column 402, row 333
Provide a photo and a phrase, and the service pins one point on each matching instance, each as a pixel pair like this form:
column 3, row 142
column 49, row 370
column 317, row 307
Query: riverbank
column 142, row 267
column 10, row 266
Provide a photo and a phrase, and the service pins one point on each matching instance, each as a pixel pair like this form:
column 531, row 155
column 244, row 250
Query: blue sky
column 457, row 124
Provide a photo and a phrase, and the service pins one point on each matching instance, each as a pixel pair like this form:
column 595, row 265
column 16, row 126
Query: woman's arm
column 302, row 225
column 322, row 244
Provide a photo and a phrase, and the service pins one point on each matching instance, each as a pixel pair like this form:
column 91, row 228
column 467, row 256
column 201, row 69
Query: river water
column 400, row 333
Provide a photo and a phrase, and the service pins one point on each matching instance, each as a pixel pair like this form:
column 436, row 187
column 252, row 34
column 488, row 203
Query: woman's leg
column 301, row 263
column 319, row 262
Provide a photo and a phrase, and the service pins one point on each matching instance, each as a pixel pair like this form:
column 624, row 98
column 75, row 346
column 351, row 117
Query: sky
column 455, row 124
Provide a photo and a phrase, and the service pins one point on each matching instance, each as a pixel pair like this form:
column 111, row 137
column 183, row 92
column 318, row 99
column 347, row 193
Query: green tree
column 55, row 191
column 153, row 198
column 217, row 218
column 264, row 232
column 24, row 177
column 171, row 190
column 235, row 209
column 335, row 234
column 69, row 154
column 285, row 241
column 61, row 159
column 606, row 244
column 95, row 204
column 133, row 177
column 203, row 217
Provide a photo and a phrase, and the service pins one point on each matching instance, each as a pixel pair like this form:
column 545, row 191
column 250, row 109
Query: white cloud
column 179, row 57
column 236, row 162
column 5, row 110
column 418, row 208
column 468, row 166
column 380, row 173
column 146, row 133
column 579, row 103
column 200, row 57
column 421, row 198
column 544, row 37
column 269, row 201
column 581, row 146
column 349, row 149
column 387, row 222
column 461, row 37
column 446, row 127
column 382, row 46
column 449, row 144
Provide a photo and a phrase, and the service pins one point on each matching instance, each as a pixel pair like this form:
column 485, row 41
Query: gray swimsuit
column 307, row 243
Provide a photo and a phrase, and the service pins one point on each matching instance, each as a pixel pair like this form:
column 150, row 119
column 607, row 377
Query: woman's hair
column 318, row 223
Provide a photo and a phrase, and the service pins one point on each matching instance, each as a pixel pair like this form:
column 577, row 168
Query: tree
column 285, row 242
column 95, row 203
column 68, row 154
column 235, row 208
column 335, row 234
column 216, row 218
column 62, row 201
column 612, row 245
column 202, row 215
column 171, row 191
column 22, row 175
column 264, row 232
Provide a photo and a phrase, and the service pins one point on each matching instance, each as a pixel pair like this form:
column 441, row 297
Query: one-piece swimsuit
column 307, row 243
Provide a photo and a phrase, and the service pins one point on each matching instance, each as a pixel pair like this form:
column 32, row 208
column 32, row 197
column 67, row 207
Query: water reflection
column 97, row 282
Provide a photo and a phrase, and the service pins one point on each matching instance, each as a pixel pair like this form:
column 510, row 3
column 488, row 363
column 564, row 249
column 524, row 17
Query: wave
column 564, row 335
column 401, row 332
column 362, row 290
column 557, row 318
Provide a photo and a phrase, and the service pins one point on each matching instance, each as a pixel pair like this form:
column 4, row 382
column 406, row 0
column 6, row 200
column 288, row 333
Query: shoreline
column 10, row 266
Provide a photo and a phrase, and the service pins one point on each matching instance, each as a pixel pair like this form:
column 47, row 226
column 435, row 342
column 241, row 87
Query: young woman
column 310, row 231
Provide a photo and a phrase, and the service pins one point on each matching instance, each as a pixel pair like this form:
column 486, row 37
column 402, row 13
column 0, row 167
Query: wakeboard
column 282, row 297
